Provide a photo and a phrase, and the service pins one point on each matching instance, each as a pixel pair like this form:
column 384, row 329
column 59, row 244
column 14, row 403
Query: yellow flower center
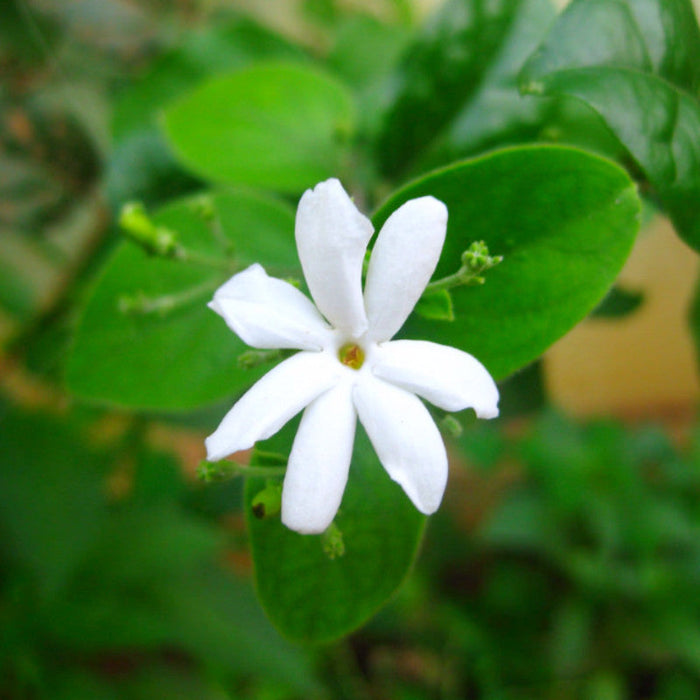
column 351, row 355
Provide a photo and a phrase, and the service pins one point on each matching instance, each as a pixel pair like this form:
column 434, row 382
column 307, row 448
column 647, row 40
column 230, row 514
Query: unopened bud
column 332, row 541
column 220, row 470
column 268, row 502
column 156, row 240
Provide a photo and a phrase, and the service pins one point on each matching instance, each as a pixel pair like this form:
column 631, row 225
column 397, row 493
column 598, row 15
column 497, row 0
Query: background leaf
column 364, row 55
column 637, row 64
column 222, row 48
column 494, row 113
column 142, row 164
column 564, row 220
column 446, row 67
column 313, row 598
column 50, row 512
column 279, row 126
column 184, row 357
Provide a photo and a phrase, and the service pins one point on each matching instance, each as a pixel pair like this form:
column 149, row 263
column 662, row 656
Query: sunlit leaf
column 179, row 355
column 637, row 64
column 564, row 221
column 282, row 126
column 460, row 68
column 312, row 597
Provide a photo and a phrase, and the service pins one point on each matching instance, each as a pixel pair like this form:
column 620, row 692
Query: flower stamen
column 351, row 355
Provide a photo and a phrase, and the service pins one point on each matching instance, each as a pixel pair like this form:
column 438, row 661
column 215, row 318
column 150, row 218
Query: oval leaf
column 563, row 219
column 146, row 339
column 312, row 597
column 440, row 71
column 636, row 63
column 226, row 47
column 279, row 126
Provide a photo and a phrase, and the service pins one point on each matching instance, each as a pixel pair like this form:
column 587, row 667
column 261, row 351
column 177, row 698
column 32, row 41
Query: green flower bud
column 268, row 502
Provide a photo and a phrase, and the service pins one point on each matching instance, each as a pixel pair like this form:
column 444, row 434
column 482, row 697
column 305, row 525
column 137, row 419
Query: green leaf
column 571, row 637
column 151, row 583
column 694, row 321
column 217, row 49
column 312, row 597
column 365, row 50
column 636, row 63
column 279, row 126
column 619, row 302
column 184, row 357
column 564, row 220
column 217, row 619
column 436, row 306
column 652, row 36
column 364, row 54
column 495, row 113
column 142, row 165
column 446, row 67
column 521, row 522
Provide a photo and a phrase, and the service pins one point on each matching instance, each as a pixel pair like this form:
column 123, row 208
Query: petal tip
column 304, row 525
column 430, row 208
column 214, row 455
column 487, row 413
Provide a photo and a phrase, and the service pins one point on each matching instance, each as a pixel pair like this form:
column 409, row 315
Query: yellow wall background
column 642, row 365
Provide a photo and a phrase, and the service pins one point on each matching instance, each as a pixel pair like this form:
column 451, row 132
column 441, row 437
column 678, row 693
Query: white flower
column 348, row 367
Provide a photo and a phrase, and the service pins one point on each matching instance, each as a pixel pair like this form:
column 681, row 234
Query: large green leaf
column 281, row 126
column 312, row 597
column 440, row 71
column 218, row 49
column 185, row 356
column 637, row 64
column 142, row 165
column 563, row 219
column 653, row 36
column 495, row 113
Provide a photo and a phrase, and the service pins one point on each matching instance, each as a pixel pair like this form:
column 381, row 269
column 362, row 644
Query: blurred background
column 565, row 562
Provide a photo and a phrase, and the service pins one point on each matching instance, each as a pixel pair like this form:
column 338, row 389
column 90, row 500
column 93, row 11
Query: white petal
column 318, row 464
column 272, row 401
column 406, row 440
column 332, row 237
column 403, row 260
column 445, row 376
column 266, row 312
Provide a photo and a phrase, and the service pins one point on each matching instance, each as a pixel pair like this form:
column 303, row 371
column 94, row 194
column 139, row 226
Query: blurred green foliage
column 565, row 563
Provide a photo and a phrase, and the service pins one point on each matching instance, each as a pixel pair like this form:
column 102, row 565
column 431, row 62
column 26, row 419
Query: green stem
column 458, row 279
column 140, row 304
column 475, row 261
column 192, row 256
column 223, row 469
column 162, row 242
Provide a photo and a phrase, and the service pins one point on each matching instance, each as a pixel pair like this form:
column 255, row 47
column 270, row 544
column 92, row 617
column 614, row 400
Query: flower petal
column 319, row 462
column 445, row 376
column 403, row 259
column 332, row 237
column 272, row 401
column 406, row 440
column 266, row 312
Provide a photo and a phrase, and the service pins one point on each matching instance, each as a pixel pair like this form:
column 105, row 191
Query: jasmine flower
column 347, row 366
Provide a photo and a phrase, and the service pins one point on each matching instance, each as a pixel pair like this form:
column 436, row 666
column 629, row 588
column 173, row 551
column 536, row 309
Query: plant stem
column 223, row 469
column 195, row 257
